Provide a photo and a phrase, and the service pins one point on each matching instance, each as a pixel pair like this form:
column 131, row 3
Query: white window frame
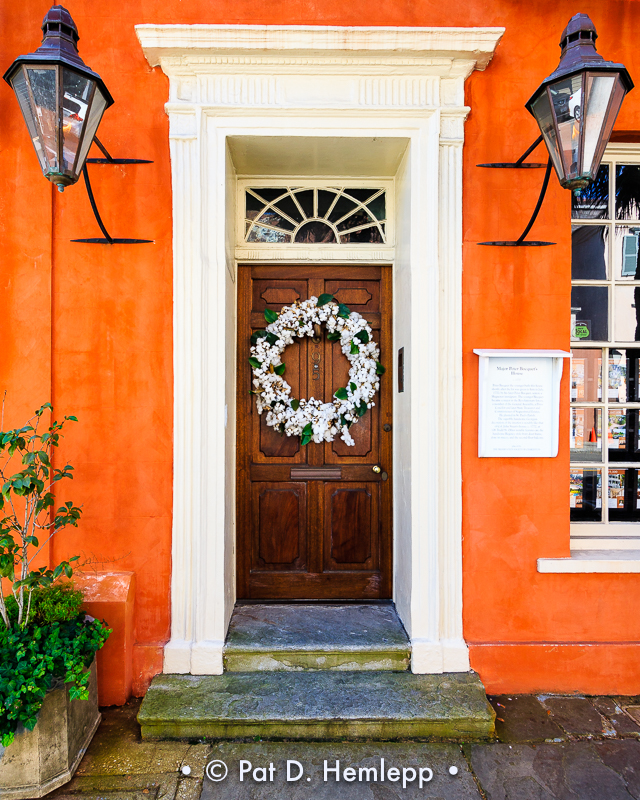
column 607, row 535
column 270, row 251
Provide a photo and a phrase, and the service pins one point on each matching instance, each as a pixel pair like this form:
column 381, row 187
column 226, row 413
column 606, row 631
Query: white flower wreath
column 313, row 420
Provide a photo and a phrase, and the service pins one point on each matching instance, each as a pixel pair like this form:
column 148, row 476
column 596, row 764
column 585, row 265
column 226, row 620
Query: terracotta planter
column 41, row 760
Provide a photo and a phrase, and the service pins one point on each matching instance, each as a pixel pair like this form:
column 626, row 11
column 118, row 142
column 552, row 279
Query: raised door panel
column 279, row 513
column 351, row 512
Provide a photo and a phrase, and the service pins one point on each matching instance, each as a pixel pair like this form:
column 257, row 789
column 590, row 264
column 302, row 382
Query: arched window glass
column 315, row 216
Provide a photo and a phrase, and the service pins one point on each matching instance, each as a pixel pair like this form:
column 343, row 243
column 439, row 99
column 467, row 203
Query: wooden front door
column 314, row 522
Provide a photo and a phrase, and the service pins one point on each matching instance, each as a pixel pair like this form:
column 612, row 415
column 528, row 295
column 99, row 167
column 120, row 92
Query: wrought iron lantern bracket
column 108, row 159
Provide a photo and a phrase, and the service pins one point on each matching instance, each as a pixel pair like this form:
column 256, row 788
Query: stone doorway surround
column 238, row 83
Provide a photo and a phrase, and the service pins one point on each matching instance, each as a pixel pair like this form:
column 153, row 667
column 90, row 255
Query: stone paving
column 547, row 748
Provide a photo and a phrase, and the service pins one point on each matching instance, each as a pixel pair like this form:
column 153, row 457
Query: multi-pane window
column 315, row 215
column 605, row 334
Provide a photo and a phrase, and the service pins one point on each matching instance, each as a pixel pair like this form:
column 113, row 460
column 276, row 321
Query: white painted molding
column 594, row 561
column 475, row 45
column 407, row 84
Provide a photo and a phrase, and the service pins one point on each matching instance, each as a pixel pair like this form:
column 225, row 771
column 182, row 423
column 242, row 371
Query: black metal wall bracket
column 521, row 164
column 108, row 159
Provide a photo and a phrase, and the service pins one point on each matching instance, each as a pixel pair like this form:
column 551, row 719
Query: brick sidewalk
column 547, row 748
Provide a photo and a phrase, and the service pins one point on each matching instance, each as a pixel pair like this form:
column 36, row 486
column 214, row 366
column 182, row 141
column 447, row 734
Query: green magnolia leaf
column 341, row 393
column 361, row 410
column 258, row 335
column 295, row 405
column 343, row 311
column 352, row 386
column 354, row 348
column 281, row 427
column 363, row 336
column 333, row 337
column 380, row 370
column 270, row 315
column 305, row 439
column 324, row 299
column 272, row 338
column 279, row 370
column 255, row 363
column 307, row 430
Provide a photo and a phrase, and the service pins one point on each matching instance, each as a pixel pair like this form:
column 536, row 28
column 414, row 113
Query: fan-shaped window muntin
column 318, row 215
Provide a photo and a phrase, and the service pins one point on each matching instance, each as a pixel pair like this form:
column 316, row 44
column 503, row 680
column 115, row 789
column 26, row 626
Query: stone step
column 348, row 637
column 318, row 705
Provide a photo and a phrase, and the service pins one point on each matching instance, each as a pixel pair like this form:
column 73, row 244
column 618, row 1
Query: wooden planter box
column 41, row 760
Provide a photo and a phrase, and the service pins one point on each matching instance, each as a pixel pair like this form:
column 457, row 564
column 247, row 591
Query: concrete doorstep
column 321, row 705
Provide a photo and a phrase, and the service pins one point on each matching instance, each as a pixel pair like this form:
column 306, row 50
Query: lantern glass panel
column 543, row 113
column 76, row 97
column 43, row 83
column 96, row 110
column 599, row 90
column 566, row 95
column 19, row 84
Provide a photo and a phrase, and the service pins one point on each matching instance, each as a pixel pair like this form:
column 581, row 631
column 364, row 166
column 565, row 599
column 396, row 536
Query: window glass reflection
column 585, row 495
column 593, row 202
column 628, row 191
column 586, row 375
column 589, row 252
column 627, row 310
column 623, row 376
column 586, row 434
column 589, row 313
column 622, row 434
column 626, row 262
column 623, row 496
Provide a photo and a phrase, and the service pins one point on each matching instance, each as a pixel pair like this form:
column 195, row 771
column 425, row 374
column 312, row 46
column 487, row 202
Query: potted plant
column 47, row 643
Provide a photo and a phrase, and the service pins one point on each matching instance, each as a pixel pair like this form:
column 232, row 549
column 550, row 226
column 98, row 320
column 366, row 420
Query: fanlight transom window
column 315, row 215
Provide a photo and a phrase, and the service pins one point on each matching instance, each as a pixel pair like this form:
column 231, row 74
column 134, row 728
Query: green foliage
column 343, row 311
column 255, row 363
column 363, row 336
column 295, row 405
column 27, row 500
column 380, row 370
column 279, row 370
column 341, row 393
column 307, row 434
column 354, row 348
column 270, row 316
column 324, row 299
column 58, row 603
column 334, row 336
column 32, row 657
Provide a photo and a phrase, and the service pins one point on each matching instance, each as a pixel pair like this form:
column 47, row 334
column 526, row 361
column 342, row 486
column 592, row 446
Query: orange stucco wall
column 89, row 327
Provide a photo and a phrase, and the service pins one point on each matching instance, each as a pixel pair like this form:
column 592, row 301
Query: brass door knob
column 377, row 469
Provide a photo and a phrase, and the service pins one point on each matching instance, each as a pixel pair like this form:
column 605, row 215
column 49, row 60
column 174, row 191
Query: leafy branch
column 27, row 500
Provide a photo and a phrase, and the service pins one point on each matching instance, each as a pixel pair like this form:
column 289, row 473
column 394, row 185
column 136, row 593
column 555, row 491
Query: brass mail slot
column 316, row 473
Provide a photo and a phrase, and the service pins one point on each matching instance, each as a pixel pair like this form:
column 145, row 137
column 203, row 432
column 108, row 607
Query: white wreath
column 312, row 419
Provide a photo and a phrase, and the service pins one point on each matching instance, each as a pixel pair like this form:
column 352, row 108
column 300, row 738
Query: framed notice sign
column 519, row 412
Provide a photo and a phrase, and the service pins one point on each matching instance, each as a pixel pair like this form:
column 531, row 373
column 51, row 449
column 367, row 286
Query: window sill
column 601, row 561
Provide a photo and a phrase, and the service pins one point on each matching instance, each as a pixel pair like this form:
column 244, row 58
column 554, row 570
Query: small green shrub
column 59, row 603
column 32, row 658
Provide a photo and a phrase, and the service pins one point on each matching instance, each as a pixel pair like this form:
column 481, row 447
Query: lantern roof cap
column 59, row 46
column 578, row 54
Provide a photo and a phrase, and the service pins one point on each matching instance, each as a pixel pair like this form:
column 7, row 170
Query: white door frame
column 282, row 81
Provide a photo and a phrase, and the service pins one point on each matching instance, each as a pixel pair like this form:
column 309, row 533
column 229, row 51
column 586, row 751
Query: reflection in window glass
column 623, row 375
column 626, row 254
column 589, row 313
column 586, row 375
column 589, row 252
column 628, row 191
column 593, row 202
column 622, row 435
column 623, row 497
column 586, row 434
column 324, row 215
column 585, row 495
column 627, row 321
